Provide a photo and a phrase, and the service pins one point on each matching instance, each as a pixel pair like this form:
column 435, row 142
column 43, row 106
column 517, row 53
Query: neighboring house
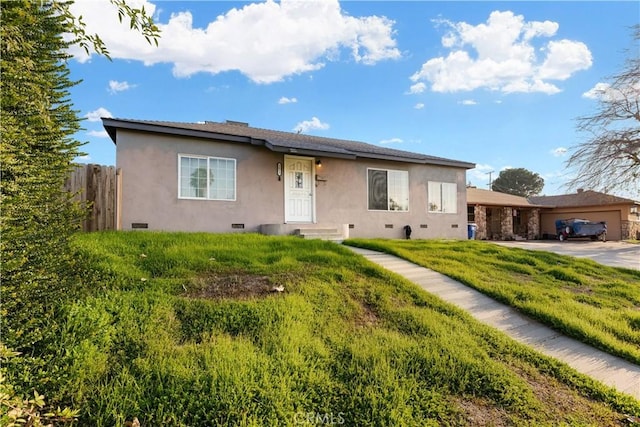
column 501, row 216
column 230, row 177
column 622, row 215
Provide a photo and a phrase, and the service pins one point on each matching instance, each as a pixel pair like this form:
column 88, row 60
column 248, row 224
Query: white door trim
column 288, row 215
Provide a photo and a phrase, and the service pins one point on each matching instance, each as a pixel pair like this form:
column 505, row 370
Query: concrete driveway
column 616, row 254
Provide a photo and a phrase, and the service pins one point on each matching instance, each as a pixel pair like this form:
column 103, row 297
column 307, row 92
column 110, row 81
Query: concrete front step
column 332, row 234
column 327, row 231
column 333, row 237
column 305, row 231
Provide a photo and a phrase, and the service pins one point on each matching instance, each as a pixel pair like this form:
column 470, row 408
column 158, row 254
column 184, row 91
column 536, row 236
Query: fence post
column 119, row 199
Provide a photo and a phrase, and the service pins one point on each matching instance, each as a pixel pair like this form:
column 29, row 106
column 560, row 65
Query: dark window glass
column 378, row 199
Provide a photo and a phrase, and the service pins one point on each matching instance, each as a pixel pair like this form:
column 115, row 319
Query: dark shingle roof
column 477, row 196
column 286, row 142
column 581, row 198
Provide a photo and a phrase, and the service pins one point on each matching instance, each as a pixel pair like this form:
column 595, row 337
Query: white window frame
column 208, row 159
column 440, row 195
column 405, row 173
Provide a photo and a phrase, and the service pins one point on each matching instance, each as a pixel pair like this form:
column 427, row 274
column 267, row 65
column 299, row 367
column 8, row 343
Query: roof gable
column 286, row 142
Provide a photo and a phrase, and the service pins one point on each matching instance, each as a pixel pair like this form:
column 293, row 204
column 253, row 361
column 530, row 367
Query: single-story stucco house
column 622, row 215
column 230, row 177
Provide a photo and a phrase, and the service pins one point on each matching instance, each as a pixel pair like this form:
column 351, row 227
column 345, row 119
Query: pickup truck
column 574, row 227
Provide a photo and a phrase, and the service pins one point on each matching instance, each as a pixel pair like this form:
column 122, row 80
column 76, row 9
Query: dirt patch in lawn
column 480, row 413
column 367, row 316
column 578, row 290
column 566, row 404
column 236, row 286
column 557, row 401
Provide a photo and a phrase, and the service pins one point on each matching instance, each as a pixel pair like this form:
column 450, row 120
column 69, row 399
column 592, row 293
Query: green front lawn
column 185, row 329
column 594, row 303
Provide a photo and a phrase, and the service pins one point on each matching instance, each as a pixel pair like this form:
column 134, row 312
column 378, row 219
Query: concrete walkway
column 610, row 370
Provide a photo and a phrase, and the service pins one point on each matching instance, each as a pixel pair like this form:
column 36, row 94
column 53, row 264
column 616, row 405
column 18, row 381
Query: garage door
column 614, row 226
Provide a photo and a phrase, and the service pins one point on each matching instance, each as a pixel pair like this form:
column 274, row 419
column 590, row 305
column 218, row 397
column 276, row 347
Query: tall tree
column 37, row 149
column 609, row 159
column 37, row 125
column 519, row 182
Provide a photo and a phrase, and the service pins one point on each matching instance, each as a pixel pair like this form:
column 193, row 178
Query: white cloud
column 564, row 58
column 468, row 102
column 98, row 133
column 597, row 91
column 285, row 100
column 501, row 55
column 419, row 106
column 417, row 88
column 308, row 125
column 82, row 159
column 391, row 141
column 212, row 89
column 116, row 86
column 559, row 152
column 265, row 41
column 605, row 92
column 95, row 115
column 481, row 173
column 530, row 86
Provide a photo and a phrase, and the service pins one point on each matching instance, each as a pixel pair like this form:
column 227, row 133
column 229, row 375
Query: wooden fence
column 96, row 187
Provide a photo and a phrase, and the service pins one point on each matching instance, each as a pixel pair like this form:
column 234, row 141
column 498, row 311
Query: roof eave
column 422, row 161
column 111, row 125
column 509, row 205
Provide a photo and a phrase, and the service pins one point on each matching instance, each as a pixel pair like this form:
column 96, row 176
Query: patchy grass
column 173, row 333
column 594, row 303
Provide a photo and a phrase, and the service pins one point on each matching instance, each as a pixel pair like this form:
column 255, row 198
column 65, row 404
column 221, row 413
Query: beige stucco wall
column 149, row 164
column 343, row 198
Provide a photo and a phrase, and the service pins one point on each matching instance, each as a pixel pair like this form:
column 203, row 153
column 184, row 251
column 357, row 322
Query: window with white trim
column 442, row 197
column 207, row 178
column 388, row 190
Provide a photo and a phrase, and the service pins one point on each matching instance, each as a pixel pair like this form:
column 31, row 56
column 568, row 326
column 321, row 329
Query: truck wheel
column 603, row 237
column 561, row 237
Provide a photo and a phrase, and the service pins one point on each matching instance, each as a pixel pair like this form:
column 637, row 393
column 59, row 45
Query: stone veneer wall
column 506, row 229
column 480, row 215
column 533, row 225
column 630, row 230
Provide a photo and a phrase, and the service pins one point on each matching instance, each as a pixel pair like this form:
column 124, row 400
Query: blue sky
column 498, row 84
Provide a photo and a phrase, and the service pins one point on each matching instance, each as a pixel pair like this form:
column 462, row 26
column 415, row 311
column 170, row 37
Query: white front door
column 298, row 189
